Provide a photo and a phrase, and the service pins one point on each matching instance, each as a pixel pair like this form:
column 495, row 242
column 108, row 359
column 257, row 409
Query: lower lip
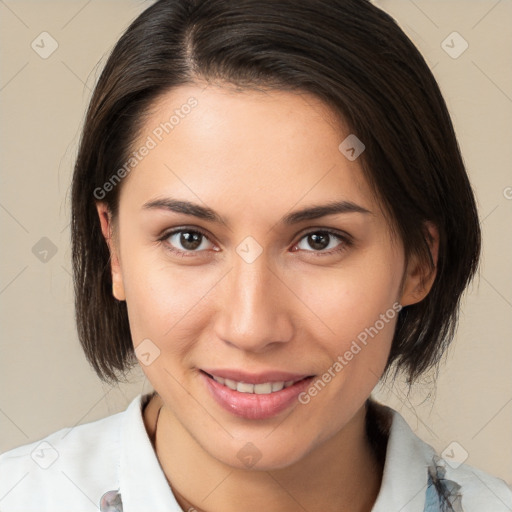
column 252, row 406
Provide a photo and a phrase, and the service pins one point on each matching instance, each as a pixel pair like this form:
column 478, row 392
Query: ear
column 419, row 277
column 107, row 229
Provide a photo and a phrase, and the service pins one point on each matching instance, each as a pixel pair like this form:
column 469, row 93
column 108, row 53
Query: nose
column 254, row 306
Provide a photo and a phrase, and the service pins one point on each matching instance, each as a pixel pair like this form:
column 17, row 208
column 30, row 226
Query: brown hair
column 348, row 53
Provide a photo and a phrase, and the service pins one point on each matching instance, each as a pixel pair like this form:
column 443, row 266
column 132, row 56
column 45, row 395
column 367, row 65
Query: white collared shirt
column 73, row 468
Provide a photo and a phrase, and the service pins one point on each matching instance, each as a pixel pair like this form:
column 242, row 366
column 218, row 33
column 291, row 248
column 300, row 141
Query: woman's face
column 249, row 289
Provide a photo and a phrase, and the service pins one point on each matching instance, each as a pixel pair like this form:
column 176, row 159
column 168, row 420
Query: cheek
column 165, row 302
column 358, row 308
column 351, row 298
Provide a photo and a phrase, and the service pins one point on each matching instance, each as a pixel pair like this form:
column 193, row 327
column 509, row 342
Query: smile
column 264, row 388
column 263, row 397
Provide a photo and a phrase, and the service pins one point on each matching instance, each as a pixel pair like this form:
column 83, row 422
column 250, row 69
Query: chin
column 266, row 455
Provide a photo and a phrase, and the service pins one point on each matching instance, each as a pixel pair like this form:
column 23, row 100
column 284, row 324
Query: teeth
column 231, row 384
column 244, row 387
column 263, row 389
column 277, row 386
column 258, row 389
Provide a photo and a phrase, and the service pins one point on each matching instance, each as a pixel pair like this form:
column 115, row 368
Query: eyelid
column 345, row 239
column 168, row 233
column 322, row 229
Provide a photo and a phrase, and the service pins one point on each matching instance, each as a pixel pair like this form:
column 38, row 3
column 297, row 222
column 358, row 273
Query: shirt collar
column 405, row 476
column 142, row 482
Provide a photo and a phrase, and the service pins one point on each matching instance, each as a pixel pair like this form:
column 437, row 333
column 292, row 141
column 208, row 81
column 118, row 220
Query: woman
column 270, row 214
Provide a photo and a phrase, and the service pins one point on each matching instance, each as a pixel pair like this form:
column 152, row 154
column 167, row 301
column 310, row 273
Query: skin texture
column 254, row 157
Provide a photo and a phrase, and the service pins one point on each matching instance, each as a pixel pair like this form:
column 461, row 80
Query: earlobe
column 419, row 275
column 107, row 228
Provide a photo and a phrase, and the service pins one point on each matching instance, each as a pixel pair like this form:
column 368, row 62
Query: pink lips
column 251, row 405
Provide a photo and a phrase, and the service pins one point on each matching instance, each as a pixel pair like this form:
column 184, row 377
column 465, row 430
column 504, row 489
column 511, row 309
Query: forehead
column 212, row 142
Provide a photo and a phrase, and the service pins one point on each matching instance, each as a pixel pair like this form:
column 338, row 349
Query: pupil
column 319, row 241
column 190, row 240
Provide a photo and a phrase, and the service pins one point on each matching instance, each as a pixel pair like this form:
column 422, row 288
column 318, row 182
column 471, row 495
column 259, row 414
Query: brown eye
column 319, row 240
column 323, row 242
column 186, row 240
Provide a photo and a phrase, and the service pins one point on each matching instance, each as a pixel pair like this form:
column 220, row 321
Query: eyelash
column 345, row 239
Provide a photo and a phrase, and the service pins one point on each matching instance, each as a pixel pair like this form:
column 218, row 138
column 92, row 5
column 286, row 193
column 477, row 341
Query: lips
column 254, row 396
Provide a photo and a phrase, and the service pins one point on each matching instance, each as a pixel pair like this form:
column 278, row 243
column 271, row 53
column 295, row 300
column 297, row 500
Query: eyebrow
column 205, row 213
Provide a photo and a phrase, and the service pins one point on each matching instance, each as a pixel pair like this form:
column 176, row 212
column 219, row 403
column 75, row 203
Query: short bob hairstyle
column 348, row 53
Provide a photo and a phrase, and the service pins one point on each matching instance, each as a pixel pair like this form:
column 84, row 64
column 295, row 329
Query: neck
column 342, row 474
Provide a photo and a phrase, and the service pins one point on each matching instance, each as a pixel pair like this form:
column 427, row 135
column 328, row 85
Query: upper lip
column 254, row 378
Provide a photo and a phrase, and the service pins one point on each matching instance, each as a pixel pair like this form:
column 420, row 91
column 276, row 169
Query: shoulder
column 415, row 475
column 70, row 467
column 478, row 490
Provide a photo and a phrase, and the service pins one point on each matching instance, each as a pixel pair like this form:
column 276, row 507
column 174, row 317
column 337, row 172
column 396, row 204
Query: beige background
column 45, row 381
